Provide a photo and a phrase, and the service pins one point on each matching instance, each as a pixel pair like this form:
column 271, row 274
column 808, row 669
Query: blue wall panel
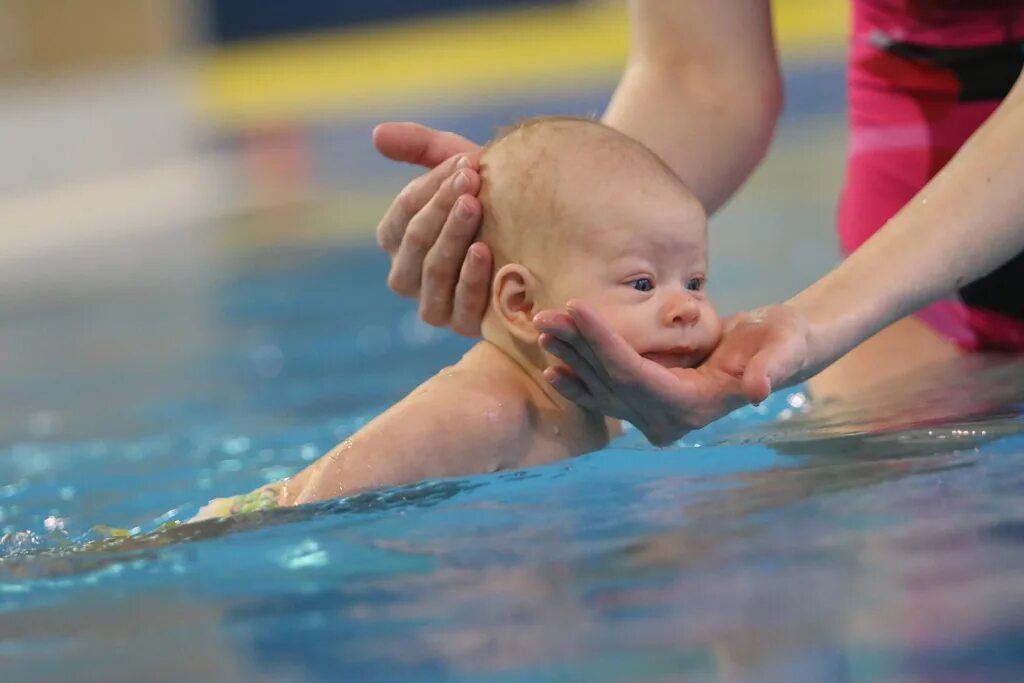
column 234, row 20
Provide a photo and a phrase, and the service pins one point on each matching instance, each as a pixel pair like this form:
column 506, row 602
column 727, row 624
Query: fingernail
column 461, row 182
column 463, row 162
column 475, row 252
column 462, row 210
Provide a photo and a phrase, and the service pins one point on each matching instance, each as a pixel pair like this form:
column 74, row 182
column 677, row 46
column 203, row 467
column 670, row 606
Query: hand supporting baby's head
column 576, row 210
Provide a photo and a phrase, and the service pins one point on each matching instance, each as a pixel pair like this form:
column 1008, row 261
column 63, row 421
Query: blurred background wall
column 57, row 36
column 234, row 20
column 121, row 118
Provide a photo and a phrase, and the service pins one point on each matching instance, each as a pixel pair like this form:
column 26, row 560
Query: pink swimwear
column 923, row 76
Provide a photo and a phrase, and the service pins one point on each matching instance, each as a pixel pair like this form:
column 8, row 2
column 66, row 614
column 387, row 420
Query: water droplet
column 229, row 465
column 236, row 445
column 415, row 332
column 797, row 400
column 268, row 360
column 305, row 555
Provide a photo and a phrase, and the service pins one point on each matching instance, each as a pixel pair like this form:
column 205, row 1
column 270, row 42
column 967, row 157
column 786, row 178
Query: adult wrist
column 837, row 320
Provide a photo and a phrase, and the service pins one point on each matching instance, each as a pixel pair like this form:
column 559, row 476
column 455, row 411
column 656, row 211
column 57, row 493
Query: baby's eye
column 695, row 284
column 642, row 284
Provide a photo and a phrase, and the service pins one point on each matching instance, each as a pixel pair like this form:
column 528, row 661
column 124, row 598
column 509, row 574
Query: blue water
column 872, row 541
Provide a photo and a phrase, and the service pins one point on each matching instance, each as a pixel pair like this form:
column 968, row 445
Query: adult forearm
column 711, row 129
column 965, row 223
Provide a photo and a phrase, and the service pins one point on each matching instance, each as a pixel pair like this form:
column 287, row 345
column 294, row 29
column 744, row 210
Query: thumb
column 767, row 369
column 417, row 144
column 757, row 384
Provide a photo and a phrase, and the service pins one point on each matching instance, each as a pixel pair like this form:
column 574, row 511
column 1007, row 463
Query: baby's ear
column 513, row 298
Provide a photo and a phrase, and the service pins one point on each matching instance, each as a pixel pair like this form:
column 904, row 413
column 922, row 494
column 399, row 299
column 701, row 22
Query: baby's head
column 574, row 209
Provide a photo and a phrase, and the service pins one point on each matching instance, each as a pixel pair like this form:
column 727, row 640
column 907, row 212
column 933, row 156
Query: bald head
column 545, row 180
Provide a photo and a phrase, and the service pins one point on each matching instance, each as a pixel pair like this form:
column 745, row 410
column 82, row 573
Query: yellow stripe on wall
column 427, row 61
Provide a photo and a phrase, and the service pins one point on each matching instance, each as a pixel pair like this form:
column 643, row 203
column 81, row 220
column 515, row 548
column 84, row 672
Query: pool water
column 881, row 540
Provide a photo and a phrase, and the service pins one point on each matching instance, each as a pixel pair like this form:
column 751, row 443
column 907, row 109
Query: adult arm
column 701, row 88
column 965, row 223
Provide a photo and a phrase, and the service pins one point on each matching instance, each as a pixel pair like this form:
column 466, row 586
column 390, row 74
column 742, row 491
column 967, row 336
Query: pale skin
column 702, row 89
column 494, row 410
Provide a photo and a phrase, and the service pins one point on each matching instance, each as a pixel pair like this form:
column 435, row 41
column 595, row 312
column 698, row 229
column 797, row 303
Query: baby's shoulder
column 480, row 381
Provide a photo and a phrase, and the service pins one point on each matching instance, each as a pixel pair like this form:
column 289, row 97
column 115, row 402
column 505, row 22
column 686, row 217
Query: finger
column 445, row 261
column 769, row 369
column 417, row 144
column 423, row 230
column 757, row 384
column 602, row 347
column 411, row 200
column 569, row 386
column 558, row 324
column 584, row 371
column 473, row 291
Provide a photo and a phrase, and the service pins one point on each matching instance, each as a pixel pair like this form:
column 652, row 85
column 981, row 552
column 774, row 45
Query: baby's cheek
column 631, row 324
column 713, row 326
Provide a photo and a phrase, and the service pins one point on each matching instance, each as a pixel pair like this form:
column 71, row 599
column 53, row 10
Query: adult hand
column 760, row 350
column 430, row 227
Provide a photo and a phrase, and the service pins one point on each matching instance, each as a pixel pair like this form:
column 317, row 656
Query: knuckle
column 436, row 302
column 431, row 316
column 466, row 314
column 408, row 201
column 463, row 326
column 436, row 270
column 398, row 283
column 433, row 312
column 385, row 240
column 418, row 239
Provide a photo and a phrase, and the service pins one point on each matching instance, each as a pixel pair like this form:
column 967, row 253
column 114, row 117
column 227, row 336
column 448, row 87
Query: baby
column 573, row 210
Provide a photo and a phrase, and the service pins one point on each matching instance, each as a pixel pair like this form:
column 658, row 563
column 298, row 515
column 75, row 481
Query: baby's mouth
column 675, row 357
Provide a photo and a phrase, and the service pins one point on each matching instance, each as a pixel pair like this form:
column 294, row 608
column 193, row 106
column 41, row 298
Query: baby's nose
column 681, row 309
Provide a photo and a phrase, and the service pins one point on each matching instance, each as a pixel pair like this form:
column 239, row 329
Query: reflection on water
column 872, row 540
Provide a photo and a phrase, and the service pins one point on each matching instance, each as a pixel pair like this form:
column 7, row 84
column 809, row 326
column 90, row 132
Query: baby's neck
column 530, row 360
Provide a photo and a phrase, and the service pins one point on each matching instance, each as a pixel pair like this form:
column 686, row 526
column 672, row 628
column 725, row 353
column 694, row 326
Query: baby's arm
column 457, row 423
